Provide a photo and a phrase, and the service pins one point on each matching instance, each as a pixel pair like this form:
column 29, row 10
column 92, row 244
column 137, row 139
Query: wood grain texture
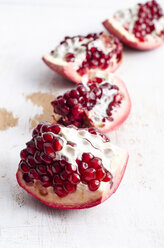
column 133, row 217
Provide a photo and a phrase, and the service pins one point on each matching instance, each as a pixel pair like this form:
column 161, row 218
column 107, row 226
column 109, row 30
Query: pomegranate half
column 102, row 102
column 141, row 27
column 80, row 55
column 65, row 167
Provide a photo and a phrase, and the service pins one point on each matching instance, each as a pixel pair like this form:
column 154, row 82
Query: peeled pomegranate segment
column 141, row 27
column 79, row 176
column 101, row 101
column 77, row 56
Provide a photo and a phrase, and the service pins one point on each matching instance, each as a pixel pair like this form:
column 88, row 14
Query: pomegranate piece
column 77, row 56
column 102, row 102
column 141, row 27
column 79, row 176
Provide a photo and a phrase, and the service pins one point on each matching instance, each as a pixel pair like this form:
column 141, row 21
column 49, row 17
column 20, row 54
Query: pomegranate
column 101, row 102
column 79, row 55
column 65, row 167
column 141, row 27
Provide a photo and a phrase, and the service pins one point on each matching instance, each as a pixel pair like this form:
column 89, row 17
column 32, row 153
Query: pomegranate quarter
column 141, row 27
column 101, row 102
column 65, row 167
column 77, row 56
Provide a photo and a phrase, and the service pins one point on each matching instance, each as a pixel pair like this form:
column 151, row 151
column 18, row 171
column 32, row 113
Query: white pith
column 127, row 18
column 98, row 112
column 113, row 158
column 73, row 45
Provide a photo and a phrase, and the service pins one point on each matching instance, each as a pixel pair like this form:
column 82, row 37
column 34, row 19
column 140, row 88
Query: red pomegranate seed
column 61, row 101
column 65, row 110
column 74, row 178
column 92, row 130
column 69, row 168
column 77, row 110
column 82, row 167
column 41, row 169
column 39, row 143
column 33, row 174
column 45, row 158
column 24, row 154
column 93, row 185
column 39, row 126
column 70, row 57
column 44, row 127
column 63, row 162
column 98, row 80
column 105, row 138
column 100, row 174
column 56, row 167
column 57, row 144
column 49, row 170
column 31, row 162
column 70, row 188
column 30, row 147
column 49, row 150
column 24, row 167
column 46, row 181
column 86, row 157
column 71, row 102
column 108, row 177
column 26, row 178
column 82, row 90
column 63, row 175
column 57, row 180
column 66, row 95
column 37, row 157
column 54, row 129
column 98, row 92
column 34, row 132
column 60, row 191
column 89, row 174
column 48, row 137
column 95, row 163
column 74, row 94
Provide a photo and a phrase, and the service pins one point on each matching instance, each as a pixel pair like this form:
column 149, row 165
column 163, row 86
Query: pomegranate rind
column 110, row 25
column 93, row 198
column 68, row 70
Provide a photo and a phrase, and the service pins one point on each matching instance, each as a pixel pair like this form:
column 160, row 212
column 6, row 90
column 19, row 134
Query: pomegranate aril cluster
column 40, row 161
column 92, row 171
column 147, row 13
column 95, row 58
column 72, row 106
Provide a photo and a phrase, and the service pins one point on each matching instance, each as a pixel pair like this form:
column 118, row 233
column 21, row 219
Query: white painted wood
column 134, row 216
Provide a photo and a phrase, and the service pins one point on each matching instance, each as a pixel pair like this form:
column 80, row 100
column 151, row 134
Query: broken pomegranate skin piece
column 79, row 176
column 80, row 55
column 140, row 27
column 103, row 103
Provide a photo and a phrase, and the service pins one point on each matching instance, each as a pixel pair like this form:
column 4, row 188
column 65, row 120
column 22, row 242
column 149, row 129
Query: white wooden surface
column 134, row 216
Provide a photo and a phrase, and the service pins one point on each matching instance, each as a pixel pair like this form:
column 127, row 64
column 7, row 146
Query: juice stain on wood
column 7, row 119
column 42, row 100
